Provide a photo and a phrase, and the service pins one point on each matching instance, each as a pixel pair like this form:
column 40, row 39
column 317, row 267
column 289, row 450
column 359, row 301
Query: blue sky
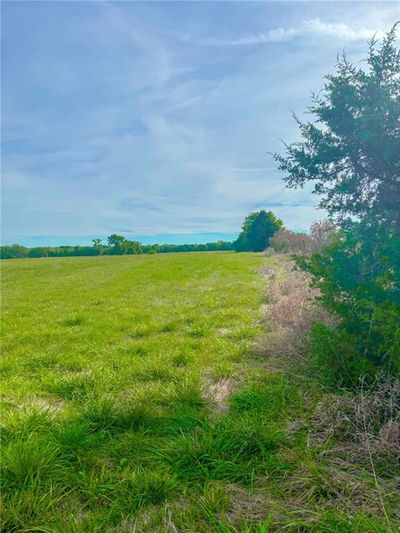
column 155, row 119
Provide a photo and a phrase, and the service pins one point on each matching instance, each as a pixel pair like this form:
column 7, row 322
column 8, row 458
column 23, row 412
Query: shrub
column 333, row 359
column 321, row 234
column 286, row 241
column 358, row 276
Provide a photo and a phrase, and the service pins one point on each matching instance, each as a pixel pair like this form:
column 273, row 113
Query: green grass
column 108, row 424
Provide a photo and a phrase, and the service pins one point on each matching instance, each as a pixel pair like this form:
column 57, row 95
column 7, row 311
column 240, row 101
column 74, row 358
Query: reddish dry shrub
column 364, row 423
column 267, row 272
column 290, row 242
column 286, row 241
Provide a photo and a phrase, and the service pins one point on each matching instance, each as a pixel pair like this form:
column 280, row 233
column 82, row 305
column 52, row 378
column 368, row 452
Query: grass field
column 132, row 402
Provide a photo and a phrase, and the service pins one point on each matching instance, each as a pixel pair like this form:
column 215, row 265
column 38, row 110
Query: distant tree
column 85, row 250
column 257, row 230
column 131, row 247
column 98, row 247
column 150, row 248
column 39, row 251
column 116, row 243
column 351, row 151
column 115, row 240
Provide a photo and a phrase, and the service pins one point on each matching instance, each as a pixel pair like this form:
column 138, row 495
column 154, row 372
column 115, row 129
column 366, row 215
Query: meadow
column 133, row 400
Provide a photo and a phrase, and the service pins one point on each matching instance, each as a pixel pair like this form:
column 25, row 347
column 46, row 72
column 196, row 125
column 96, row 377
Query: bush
column 358, row 276
column 333, row 358
column 286, row 241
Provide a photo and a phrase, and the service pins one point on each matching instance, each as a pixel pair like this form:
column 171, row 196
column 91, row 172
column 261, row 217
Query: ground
column 133, row 401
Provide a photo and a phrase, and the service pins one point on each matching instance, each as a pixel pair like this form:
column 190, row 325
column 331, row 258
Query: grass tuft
column 73, row 321
column 30, row 461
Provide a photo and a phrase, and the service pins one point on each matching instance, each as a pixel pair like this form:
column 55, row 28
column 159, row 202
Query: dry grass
column 333, row 487
column 218, row 393
column 362, row 423
column 244, row 504
column 356, row 436
column 291, row 310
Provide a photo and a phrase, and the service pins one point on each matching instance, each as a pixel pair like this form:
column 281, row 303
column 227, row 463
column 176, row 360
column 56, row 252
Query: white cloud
column 308, row 28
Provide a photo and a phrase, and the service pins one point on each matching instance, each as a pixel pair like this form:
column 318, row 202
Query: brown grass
column 217, row 393
column 291, row 310
column 245, row 505
column 362, row 423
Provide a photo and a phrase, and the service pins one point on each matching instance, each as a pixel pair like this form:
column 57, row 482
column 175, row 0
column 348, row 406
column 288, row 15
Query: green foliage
column 29, row 461
column 359, row 279
column 351, row 152
column 257, row 230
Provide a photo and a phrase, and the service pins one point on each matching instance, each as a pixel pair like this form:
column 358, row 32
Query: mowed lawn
column 115, row 376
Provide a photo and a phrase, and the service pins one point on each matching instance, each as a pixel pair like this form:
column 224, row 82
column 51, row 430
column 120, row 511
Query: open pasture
column 132, row 400
column 115, row 374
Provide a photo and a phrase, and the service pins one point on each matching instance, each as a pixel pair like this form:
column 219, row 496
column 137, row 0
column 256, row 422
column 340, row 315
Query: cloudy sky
column 156, row 119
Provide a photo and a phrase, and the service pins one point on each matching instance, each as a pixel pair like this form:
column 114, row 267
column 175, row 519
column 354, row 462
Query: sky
column 156, row 120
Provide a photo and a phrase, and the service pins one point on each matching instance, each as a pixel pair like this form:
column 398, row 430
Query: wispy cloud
column 308, row 28
column 251, row 169
column 116, row 120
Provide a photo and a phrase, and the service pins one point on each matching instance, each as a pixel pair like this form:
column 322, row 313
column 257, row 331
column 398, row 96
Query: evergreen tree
column 351, row 151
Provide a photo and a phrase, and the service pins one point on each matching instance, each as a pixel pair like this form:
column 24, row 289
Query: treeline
column 116, row 245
